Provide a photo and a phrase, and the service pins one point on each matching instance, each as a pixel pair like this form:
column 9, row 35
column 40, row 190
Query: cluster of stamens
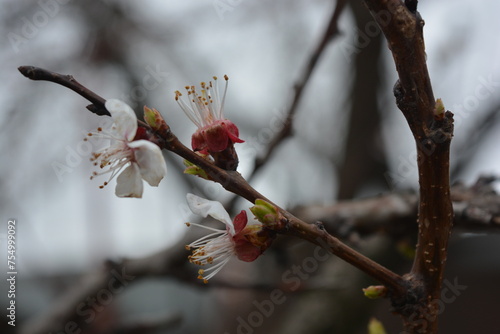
column 205, row 107
column 116, row 156
column 214, row 249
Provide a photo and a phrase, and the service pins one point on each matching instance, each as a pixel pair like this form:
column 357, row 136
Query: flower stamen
column 128, row 154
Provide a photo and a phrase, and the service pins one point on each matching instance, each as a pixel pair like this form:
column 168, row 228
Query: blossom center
column 214, row 249
column 114, row 158
column 204, row 107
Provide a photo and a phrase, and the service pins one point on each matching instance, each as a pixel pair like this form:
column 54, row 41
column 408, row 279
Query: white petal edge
column 129, row 182
column 123, row 117
column 150, row 160
column 203, row 207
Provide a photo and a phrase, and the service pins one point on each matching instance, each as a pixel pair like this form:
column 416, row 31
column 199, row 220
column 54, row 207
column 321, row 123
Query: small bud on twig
column 439, row 109
column 266, row 213
column 375, row 291
column 193, row 169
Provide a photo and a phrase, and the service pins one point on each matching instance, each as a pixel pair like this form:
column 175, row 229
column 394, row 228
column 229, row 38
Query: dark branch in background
column 37, row 73
column 130, row 270
column 476, row 208
column 466, row 149
column 330, row 32
column 364, row 160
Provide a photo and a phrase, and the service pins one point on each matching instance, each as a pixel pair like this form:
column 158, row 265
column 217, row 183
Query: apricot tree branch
column 291, row 225
column 37, row 73
column 432, row 130
column 235, row 183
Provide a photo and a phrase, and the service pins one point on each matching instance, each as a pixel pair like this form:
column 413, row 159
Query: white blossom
column 134, row 160
column 216, row 248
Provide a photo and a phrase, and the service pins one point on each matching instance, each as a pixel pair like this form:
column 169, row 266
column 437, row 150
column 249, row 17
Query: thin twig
column 468, row 147
column 330, row 32
column 37, row 73
column 235, row 183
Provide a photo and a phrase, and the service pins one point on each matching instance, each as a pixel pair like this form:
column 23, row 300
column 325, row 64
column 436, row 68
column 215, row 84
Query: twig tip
column 26, row 70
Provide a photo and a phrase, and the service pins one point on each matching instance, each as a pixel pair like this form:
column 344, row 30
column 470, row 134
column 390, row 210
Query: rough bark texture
column 403, row 28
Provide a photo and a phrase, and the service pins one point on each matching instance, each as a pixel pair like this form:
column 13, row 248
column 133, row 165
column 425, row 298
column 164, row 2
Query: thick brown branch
column 404, row 32
column 435, row 209
column 403, row 28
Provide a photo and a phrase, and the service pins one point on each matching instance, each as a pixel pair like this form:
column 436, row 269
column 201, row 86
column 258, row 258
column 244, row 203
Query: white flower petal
column 129, row 182
column 123, row 117
column 214, row 209
column 150, row 160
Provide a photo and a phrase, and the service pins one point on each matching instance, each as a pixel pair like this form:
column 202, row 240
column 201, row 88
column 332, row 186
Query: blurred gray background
column 350, row 141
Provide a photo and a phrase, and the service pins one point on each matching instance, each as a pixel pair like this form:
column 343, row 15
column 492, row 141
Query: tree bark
column 432, row 130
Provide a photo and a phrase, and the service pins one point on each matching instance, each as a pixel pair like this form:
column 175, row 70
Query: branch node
column 319, row 225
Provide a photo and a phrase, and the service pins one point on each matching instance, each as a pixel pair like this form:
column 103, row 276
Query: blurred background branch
column 331, row 31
